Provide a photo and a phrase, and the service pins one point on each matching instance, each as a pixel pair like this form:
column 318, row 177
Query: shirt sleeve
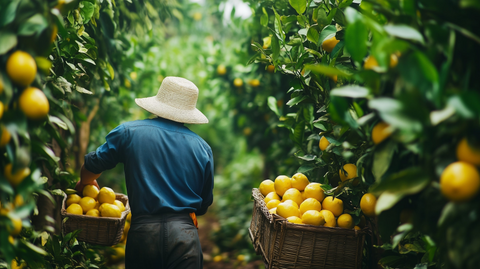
column 108, row 155
column 207, row 192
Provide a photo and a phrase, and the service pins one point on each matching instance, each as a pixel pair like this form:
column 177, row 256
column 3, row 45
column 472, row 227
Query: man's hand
column 79, row 187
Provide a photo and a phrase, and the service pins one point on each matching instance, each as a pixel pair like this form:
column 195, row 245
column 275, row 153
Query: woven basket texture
column 287, row 245
column 103, row 231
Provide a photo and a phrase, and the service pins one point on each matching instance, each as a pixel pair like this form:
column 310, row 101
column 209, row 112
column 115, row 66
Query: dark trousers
column 166, row 241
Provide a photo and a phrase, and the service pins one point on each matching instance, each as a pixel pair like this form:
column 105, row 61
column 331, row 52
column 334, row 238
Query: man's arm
column 86, row 178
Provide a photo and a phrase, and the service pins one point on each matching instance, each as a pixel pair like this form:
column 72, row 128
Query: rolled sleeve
column 108, row 155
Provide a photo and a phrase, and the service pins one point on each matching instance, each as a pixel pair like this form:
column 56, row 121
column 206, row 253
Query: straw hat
column 176, row 100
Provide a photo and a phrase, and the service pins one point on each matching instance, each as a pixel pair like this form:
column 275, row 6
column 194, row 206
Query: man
column 168, row 173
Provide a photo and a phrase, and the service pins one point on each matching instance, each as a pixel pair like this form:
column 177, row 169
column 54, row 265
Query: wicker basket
column 286, row 245
column 103, row 231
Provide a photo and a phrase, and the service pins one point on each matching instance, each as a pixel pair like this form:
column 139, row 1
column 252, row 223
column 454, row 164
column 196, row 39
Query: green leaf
column 352, row 91
column 7, row 15
column 296, row 100
column 419, row 71
column 381, row 159
column 356, row 37
column 44, row 151
column 8, row 40
column 313, row 35
column 322, row 18
column 35, row 248
column 466, row 104
column 86, row 10
column 275, row 48
column 299, row 5
column 272, row 104
column 326, row 32
column 306, row 168
column 387, row 200
column 407, row 182
column 264, row 17
column 405, row 32
column 35, row 24
column 326, row 70
column 298, row 133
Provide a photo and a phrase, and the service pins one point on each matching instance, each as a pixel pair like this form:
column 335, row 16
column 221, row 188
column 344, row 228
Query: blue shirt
column 168, row 168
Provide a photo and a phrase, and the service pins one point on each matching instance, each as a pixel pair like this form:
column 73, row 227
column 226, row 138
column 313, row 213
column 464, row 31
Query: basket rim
column 127, row 210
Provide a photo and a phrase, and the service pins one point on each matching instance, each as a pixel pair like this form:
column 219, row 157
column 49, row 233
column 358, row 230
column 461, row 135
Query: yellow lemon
column 16, row 227
column 299, row 181
column 271, row 196
column 291, row 202
column 380, row 132
column 460, row 181
column 288, row 209
column 467, row 153
column 273, row 211
column 91, row 191
column 345, row 221
column 120, row 205
column 221, row 70
column 295, row 219
column 294, row 195
column 93, row 212
column 282, row 184
column 329, row 44
column 254, row 83
column 218, row 258
column 349, row 171
column 328, row 218
column 313, row 190
column 271, row 68
column 312, row 217
column 323, row 144
column 106, row 195
column 73, row 199
column 75, row 209
column 18, row 201
column 109, row 210
column 266, row 187
column 34, row 104
column 357, row 228
column 18, row 176
column 334, row 205
column 367, row 204
column 21, row 68
column 310, row 204
column 87, row 203
column 6, row 136
column 238, row 82
column 272, row 204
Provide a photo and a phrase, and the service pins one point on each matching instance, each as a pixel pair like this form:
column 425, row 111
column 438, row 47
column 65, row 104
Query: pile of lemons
column 95, row 202
column 302, row 202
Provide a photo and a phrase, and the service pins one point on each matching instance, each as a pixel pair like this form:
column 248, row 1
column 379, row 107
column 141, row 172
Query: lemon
column 106, row 195
column 93, row 212
column 313, row 190
column 21, row 68
column 238, row 82
column 380, row 132
column 329, row 44
column 109, row 210
column 75, row 209
column 119, row 254
column 87, row 203
column 271, row 196
column 18, row 201
column 273, row 211
column 299, row 181
column 334, row 205
column 357, row 228
column 217, row 258
column 312, row 217
column 271, row 68
column 266, row 187
column 6, row 136
column 323, row 144
column 288, row 209
column 254, row 83
column 282, row 184
column 460, row 181
column 294, row 195
column 16, row 227
column 272, row 204
column 221, row 70
column 467, row 153
column 351, row 172
column 73, row 199
column 120, row 205
column 91, row 191
column 328, row 218
column 345, row 221
column 310, row 204
column 34, row 104
column 367, row 204
column 370, row 63
column 295, row 219
column 18, row 176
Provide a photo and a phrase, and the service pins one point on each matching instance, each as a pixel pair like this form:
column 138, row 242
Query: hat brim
column 154, row 106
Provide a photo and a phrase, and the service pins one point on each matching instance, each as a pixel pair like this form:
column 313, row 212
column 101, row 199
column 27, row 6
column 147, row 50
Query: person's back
column 169, row 177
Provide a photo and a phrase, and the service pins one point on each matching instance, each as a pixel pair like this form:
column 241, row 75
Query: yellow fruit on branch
column 17, row 177
column 371, row 63
column 380, row 132
column 6, row 136
column 221, row 70
column 266, row 187
column 468, row 153
column 334, row 205
column 271, row 68
column 329, row 44
column 34, row 104
column 349, row 171
column 21, row 68
column 254, row 83
column 460, row 181
column 238, row 82
column 299, row 181
column 282, row 184
column 323, row 144
column 367, row 204
column 15, row 227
